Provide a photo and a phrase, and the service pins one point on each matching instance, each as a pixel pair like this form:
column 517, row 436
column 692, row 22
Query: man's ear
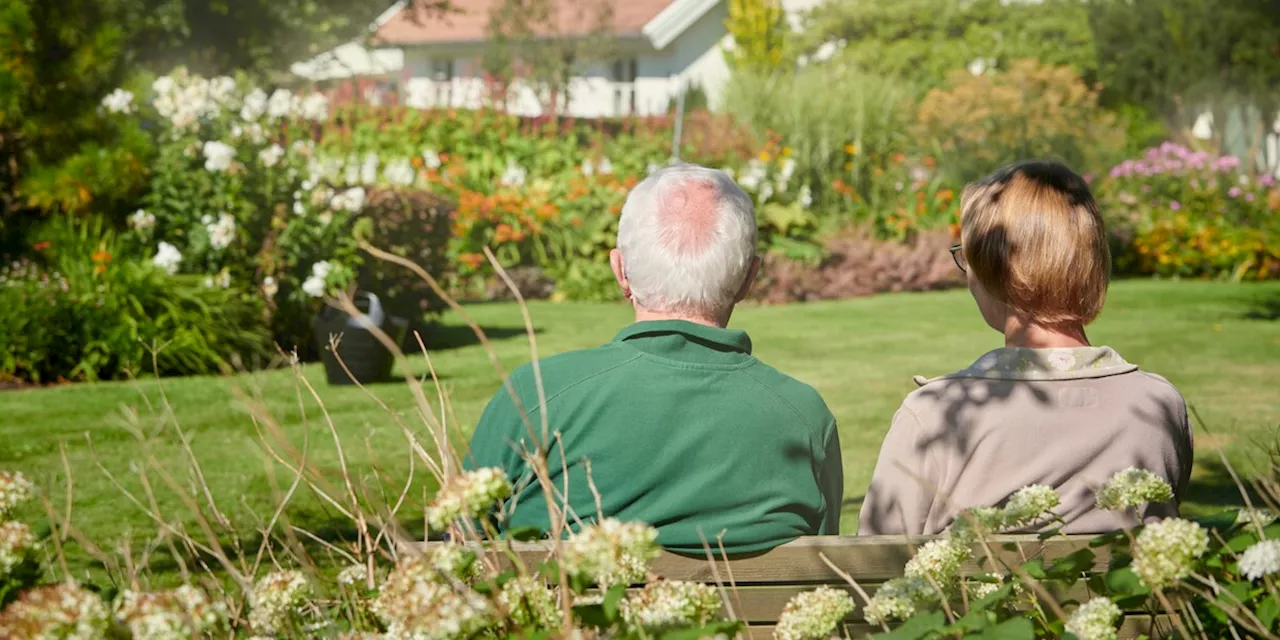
column 750, row 280
column 620, row 273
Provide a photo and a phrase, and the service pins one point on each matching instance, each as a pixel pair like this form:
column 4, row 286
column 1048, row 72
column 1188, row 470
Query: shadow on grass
column 1265, row 309
column 1213, row 490
column 439, row 337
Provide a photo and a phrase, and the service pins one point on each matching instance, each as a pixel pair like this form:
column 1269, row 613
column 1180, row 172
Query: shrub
column 856, row 263
column 92, row 312
column 1029, row 110
column 413, row 225
column 1179, row 212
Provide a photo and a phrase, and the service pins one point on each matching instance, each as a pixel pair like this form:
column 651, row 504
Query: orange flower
column 41, row 246
column 897, row 158
column 101, row 257
column 473, row 260
column 417, row 162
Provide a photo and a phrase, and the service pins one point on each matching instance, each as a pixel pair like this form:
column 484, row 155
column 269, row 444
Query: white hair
column 688, row 238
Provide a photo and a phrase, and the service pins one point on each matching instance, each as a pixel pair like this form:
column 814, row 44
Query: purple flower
column 1175, row 205
column 1267, row 180
column 1248, row 197
column 1234, row 192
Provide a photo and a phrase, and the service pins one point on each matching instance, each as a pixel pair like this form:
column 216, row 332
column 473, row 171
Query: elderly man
column 676, row 422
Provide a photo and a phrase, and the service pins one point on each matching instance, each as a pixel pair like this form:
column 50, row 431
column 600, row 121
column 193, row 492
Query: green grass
column 1219, row 343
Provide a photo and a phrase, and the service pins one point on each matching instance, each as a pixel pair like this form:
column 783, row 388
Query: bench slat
column 1134, row 626
column 870, row 559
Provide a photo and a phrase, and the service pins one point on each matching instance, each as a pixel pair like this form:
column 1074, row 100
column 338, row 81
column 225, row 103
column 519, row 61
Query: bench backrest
column 760, row 585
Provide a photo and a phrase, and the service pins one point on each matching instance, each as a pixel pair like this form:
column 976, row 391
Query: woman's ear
column 620, row 273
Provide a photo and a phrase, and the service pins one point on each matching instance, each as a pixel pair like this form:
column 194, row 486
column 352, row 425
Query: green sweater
column 684, row 429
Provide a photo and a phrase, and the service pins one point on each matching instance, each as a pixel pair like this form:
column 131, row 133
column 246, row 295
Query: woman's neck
column 1031, row 335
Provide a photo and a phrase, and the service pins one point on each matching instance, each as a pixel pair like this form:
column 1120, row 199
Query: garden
column 178, row 219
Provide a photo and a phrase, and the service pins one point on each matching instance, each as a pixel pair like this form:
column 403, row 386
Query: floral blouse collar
column 1017, row 363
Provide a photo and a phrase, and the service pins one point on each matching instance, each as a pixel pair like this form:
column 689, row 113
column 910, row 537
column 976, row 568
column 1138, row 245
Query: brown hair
column 1034, row 238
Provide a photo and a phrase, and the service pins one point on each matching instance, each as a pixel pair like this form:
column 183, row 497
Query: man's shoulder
column 799, row 396
column 565, row 370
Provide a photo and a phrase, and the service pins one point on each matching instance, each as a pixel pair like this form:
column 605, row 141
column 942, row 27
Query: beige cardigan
column 1067, row 418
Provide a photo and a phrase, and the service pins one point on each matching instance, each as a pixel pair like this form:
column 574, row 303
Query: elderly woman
column 1047, row 408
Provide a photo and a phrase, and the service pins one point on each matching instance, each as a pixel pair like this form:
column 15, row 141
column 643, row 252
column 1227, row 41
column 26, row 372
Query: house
column 658, row 48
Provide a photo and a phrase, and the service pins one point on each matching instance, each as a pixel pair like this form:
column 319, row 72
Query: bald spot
column 689, row 217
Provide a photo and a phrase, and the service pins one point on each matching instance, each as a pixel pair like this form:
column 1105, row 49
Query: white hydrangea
column 255, row 105
column 939, row 560
column 314, row 285
column 1262, row 559
column 754, row 175
column 415, row 603
column 806, row 196
column 400, row 173
column 184, row 612
column 587, row 168
column 814, row 615
column 670, row 604
column 167, row 258
column 280, row 105
column 979, row 589
column 469, row 494
column 431, row 159
column 269, row 287
column 611, row 552
column 315, row 107
column 65, row 611
column 15, row 489
column 218, row 156
column 351, row 200
column 605, row 167
column 222, row 232
column 222, row 90
column 369, row 169
column 1165, row 551
column 1132, row 488
column 514, row 175
column 141, row 221
column 1029, row 505
column 275, row 597
column 353, row 574
column 1257, row 517
column 898, row 599
column 1095, row 620
column 118, row 101
column 530, row 604
column 272, row 155
column 16, row 542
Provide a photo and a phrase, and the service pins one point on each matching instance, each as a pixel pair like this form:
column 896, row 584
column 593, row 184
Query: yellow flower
column 764, row 156
column 786, row 152
column 848, row 166
column 851, row 149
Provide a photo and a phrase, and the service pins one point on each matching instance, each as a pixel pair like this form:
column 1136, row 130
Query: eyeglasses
column 957, row 254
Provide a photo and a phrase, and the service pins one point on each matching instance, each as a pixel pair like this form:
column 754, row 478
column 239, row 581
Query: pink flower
column 1234, row 192
column 1175, row 205
column 1248, row 197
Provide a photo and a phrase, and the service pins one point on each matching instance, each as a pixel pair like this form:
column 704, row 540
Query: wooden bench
column 764, row 583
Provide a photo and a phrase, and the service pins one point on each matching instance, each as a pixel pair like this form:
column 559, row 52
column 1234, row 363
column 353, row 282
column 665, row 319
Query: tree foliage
column 759, row 29
column 924, row 40
column 1172, row 56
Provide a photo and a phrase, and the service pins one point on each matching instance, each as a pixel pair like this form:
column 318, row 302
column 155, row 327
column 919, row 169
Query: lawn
column 1219, row 343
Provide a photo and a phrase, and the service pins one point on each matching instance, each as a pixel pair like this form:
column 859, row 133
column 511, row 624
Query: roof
column 350, row 59
column 409, row 26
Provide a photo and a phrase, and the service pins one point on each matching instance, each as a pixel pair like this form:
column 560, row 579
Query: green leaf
column 526, row 534
column 1072, row 565
column 1015, row 629
column 1268, row 611
column 592, row 615
column 1123, row 582
column 1035, row 568
column 920, row 626
column 612, row 599
column 723, row 628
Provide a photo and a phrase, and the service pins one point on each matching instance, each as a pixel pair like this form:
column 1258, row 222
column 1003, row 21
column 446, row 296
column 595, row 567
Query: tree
column 544, row 44
column 1177, row 57
column 923, row 41
column 759, row 29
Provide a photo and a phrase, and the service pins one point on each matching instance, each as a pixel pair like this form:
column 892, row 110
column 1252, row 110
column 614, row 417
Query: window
column 436, row 69
column 626, row 70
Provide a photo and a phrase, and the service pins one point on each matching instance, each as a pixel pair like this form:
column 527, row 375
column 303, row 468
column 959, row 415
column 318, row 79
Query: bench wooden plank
column 1134, row 626
column 871, row 559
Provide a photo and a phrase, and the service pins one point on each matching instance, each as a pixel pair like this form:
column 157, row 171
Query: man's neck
column 644, row 315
